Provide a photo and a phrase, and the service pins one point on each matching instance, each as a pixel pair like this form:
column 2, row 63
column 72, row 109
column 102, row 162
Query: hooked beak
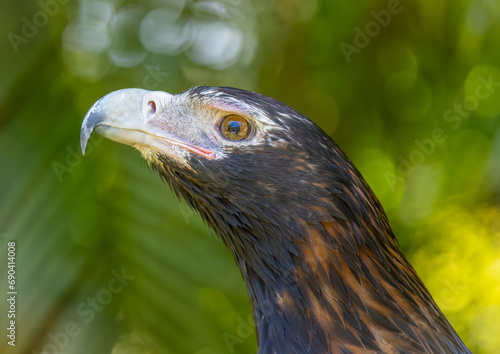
column 126, row 116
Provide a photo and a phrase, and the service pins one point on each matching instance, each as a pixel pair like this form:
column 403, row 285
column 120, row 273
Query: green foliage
column 108, row 261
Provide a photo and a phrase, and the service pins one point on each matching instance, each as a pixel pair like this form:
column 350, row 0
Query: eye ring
column 234, row 127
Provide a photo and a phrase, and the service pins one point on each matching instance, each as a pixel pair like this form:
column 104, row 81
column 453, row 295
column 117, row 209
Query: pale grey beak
column 123, row 115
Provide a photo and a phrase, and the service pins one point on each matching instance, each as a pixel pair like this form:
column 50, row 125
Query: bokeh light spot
column 409, row 97
column 160, row 33
column 126, row 49
column 216, row 44
column 482, row 86
column 397, row 57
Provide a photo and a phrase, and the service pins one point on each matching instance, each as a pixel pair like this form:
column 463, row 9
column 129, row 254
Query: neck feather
column 323, row 269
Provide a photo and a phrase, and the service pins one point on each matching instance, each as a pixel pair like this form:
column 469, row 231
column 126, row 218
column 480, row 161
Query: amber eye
column 234, row 127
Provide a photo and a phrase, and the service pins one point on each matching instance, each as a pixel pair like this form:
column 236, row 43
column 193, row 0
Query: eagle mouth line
column 129, row 136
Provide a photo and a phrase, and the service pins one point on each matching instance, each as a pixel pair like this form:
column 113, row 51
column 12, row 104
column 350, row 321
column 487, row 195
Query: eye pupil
column 234, row 127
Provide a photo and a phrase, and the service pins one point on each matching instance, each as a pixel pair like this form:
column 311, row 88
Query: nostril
column 154, row 103
column 152, row 107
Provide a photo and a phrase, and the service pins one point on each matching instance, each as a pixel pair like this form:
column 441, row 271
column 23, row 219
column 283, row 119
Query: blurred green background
column 108, row 261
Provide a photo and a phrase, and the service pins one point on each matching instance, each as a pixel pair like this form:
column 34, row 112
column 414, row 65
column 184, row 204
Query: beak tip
column 86, row 130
